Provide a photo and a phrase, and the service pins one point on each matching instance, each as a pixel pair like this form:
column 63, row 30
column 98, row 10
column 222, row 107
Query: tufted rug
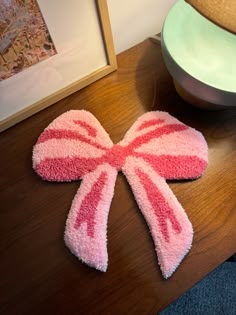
column 156, row 148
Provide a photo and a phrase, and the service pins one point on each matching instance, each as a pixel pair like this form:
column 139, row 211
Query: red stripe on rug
column 156, row 133
column 66, row 169
column 66, row 134
column 91, row 130
column 175, row 167
column 87, row 211
column 162, row 210
column 150, row 123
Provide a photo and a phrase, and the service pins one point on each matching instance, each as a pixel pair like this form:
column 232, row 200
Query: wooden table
column 38, row 273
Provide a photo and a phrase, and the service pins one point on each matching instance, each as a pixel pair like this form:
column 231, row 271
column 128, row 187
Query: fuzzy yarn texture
column 157, row 147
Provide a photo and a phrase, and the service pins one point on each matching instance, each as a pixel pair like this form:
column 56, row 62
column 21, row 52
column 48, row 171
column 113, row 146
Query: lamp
column 201, row 55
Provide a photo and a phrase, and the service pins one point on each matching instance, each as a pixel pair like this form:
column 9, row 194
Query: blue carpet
column 214, row 295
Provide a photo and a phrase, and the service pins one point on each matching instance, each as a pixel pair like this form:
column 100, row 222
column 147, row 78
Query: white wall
column 134, row 20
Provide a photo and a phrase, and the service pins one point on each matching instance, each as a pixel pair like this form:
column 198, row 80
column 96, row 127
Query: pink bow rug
column 157, row 147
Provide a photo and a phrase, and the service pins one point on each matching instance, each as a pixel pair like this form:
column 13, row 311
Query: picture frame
column 80, row 60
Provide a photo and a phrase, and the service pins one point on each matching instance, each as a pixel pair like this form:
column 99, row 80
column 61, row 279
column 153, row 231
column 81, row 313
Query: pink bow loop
column 157, row 147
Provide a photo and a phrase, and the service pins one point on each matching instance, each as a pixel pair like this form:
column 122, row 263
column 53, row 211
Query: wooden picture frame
column 17, row 89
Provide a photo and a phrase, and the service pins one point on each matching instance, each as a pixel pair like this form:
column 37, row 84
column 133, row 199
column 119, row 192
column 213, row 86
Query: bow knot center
column 116, row 156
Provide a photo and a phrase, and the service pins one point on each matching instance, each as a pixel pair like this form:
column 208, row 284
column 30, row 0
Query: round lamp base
column 195, row 101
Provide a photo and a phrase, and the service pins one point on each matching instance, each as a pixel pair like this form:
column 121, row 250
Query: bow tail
column 169, row 225
column 86, row 226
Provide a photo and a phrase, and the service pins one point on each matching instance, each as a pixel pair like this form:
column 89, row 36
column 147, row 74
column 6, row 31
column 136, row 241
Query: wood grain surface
column 38, row 273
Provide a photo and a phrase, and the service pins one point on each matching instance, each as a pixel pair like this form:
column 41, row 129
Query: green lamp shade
column 197, row 53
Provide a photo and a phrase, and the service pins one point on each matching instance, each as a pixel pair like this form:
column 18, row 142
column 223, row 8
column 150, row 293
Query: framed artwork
column 48, row 51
